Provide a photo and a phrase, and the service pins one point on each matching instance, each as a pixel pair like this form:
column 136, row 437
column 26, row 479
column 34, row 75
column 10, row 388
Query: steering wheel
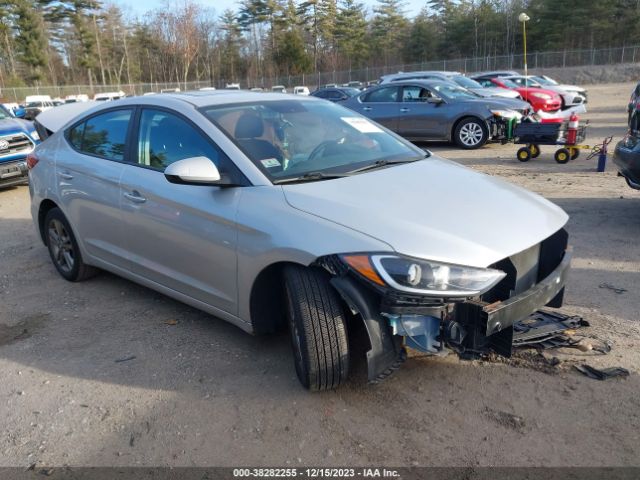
column 321, row 147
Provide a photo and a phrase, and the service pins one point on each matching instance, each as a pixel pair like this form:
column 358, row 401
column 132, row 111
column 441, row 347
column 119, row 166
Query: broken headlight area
column 435, row 308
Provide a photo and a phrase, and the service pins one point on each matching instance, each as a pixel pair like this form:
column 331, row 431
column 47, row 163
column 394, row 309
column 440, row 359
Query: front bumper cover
column 470, row 327
column 13, row 173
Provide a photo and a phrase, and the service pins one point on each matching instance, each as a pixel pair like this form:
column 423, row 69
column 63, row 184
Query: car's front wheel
column 470, row 133
column 63, row 248
column 318, row 328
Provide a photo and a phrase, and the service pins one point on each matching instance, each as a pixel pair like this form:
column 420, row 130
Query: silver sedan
column 273, row 211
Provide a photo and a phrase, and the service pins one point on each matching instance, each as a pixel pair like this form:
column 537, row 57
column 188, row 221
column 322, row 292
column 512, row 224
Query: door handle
column 135, row 197
column 66, row 176
column 404, row 109
column 366, row 109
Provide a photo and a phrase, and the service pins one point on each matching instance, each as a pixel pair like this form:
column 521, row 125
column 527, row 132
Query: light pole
column 523, row 17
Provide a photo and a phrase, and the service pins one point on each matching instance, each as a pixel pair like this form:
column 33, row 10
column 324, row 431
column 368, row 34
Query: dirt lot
column 201, row 392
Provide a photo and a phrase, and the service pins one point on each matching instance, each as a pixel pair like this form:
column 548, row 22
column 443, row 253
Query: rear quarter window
column 103, row 135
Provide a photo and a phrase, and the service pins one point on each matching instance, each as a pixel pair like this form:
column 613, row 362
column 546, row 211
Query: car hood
column 13, row 125
column 495, row 92
column 528, row 90
column 567, row 88
column 434, row 209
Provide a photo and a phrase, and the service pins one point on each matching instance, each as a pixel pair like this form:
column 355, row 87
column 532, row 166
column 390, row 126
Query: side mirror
column 19, row 112
column 435, row 100
column 193, row 171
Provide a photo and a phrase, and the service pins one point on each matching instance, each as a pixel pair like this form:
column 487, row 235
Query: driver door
column 419, row 118
column 182, row 237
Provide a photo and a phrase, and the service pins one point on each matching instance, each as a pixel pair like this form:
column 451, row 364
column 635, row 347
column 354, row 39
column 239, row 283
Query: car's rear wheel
column 318, row 328
column 470, row 133
column 63, row 248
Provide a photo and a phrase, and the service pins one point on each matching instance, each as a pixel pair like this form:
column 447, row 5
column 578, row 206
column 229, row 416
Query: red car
column 539, row 98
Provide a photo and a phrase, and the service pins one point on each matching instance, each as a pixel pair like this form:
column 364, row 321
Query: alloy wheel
column 471, row 134
column 61, row 246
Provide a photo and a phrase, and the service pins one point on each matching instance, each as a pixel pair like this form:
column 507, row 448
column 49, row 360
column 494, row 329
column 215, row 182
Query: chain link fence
column 536, row 60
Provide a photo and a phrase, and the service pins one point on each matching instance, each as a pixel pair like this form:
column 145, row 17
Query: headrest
column 249, row 126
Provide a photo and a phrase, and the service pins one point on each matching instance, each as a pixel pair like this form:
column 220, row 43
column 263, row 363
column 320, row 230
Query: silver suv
column 268, row 210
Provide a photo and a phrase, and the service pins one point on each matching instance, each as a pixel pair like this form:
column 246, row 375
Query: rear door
column 88, row 176
column 182, row 237
column 381, row 104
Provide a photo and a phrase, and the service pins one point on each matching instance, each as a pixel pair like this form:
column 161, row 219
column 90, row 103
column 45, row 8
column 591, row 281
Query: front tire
column 63, row 248
column 317, row 324
column 470, row 133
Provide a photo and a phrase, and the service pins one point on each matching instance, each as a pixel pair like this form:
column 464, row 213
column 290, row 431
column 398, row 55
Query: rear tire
column 535, row 150
column 317, row 324
column 63, row 248
column 562, row 155
column 470, row 133
column 524, row 154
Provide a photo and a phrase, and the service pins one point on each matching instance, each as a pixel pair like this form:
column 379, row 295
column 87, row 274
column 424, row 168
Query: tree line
column 66, row 42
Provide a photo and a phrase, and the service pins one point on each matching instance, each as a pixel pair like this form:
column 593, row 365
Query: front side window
column 415, row 93
column 292, row 138
column 165, row 138
column 385, row 94
column 103, row 135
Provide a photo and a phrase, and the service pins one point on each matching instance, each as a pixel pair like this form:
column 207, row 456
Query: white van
column 108, row 96
column 279, row 89
column 37, row 103
column 232, row 86
column 300, row 91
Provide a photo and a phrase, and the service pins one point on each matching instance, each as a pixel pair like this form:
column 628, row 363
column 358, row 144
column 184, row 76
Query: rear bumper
column 13, row 173
column 628, row 162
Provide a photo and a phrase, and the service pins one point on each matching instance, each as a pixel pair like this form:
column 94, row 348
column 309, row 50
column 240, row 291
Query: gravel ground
column 110, row 373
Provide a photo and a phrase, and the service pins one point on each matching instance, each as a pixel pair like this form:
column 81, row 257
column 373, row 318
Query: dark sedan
column 336, row 94
column 434, row 110
column 627, row 158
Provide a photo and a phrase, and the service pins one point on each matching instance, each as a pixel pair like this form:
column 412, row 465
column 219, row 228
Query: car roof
column 418, row 81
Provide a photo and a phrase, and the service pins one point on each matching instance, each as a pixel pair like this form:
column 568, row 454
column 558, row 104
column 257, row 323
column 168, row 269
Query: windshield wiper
column 311, row 177
column 384, row 163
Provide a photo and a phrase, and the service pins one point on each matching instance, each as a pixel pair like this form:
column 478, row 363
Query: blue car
column 17, row 139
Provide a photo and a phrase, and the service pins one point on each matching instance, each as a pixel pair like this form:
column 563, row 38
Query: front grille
column 526, row 268
column 17, row 143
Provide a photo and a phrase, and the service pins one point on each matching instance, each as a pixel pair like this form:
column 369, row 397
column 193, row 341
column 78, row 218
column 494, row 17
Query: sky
column 139, row 7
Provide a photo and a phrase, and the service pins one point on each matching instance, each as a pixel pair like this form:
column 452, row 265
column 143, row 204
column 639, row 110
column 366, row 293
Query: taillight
column 32, row 160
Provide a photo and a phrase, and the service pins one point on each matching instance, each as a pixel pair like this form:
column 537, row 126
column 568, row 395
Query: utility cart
column 534, row 134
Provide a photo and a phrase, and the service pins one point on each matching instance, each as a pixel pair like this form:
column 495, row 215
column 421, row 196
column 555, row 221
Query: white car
column 301, row 91
column 349, row 226
column 571, row 95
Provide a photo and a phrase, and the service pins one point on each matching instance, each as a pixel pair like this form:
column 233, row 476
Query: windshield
column 508, row 83
column 542, row 81
column 292, row 138
column 466, row 82
column 350, row 91
column 451, row 91
column 34, row 104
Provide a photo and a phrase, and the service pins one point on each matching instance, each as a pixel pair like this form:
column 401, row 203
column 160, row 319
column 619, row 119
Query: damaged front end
column 436, row 308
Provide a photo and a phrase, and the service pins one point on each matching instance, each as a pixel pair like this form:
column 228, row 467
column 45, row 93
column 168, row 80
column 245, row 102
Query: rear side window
column 104, row 135
column 387, row 94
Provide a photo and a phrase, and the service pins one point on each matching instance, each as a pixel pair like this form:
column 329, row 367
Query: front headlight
column 543, row 96
column 424, row 277
column 507, row 114
column 35, row 135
